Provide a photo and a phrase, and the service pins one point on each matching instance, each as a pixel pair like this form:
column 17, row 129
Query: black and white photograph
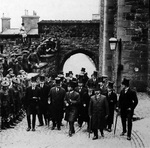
column 74, row 73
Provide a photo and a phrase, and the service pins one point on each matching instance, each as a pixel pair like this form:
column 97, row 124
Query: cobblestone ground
column 43, row 137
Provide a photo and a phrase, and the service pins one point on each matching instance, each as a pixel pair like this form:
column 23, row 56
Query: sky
column 48, row 9
column 73, row 64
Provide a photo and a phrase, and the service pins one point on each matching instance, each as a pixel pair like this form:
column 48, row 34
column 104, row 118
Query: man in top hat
column 112, row 101
column 85, row 77
column 102, row 85
column 56, row 99
column 92, row 82
column 98, row 111
column 43, row 103
column 72, row 100
column 127, row 102
column 32, row 98
column 70, row 73
column 84, row 102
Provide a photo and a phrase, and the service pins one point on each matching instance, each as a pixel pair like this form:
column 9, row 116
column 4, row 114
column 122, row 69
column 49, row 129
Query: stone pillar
column 5, row 23
column 107, row 11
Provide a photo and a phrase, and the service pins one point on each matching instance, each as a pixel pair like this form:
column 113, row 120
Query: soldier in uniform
column 15, row 99
column 5, row 105
column 98, row 111
column 72, row 100
column 56, row 99
column 127, row 102
column 32, row 98
column 112, row 101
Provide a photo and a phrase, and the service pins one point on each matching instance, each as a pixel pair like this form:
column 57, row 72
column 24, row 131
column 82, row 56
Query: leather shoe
column 122, row 134
column 28, row 129
column 109, row 130
column 52, row 128
column 102, row 135
column 33, row 129
column 70, row 134
column 40, row 125
column 59, row 128
column 128, row 138
column 95, row 137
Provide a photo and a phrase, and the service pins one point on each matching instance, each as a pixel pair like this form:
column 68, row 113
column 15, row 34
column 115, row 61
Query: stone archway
column 94, row 57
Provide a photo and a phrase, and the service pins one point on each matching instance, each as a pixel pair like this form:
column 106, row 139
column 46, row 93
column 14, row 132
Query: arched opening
column 75, row 62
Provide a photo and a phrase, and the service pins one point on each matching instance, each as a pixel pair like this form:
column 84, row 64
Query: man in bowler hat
column 127, row 102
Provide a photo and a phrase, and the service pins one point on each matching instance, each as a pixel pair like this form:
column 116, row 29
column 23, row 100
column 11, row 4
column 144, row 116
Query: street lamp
column 113, row 45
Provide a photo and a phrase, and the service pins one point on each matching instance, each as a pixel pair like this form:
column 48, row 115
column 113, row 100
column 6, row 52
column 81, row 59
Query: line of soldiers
column 12, row 92
column 81, row 99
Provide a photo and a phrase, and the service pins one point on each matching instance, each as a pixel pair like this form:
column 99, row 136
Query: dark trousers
column 56, row 122
column 126, row 116
column 95, row 131
column 71, row 127
column 33, row 120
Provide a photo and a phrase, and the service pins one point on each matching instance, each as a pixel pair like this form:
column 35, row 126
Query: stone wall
column 132, row 29
column 74, row 37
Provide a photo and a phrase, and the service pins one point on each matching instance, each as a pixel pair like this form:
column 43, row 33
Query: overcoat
column 57, row 102
column 127, row 100
column 73, row 99
column 98, row 109
column 84, row 103
column 32, row 98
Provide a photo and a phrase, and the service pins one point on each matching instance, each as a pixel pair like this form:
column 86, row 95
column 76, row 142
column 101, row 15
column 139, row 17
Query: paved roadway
column 43, row 137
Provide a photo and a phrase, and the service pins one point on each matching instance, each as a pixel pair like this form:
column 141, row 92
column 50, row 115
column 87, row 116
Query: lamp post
column 113, row 46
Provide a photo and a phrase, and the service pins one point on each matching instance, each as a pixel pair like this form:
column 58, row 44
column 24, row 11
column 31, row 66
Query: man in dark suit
column 112, row 101
column 127, row 102
column 56, row 99
column 98, row 111
column 43, row 103
column 32, row 98
column 72, row 100
column 84, row 102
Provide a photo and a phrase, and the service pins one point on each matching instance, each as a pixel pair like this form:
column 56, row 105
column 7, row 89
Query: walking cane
column 116, row 123
column 89, row 126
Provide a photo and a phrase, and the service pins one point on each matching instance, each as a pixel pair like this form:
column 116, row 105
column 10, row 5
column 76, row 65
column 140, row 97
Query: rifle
column 89, row 125
column 116, row 122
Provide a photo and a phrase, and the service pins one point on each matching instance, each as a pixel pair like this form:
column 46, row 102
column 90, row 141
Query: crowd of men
column 74, row 99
